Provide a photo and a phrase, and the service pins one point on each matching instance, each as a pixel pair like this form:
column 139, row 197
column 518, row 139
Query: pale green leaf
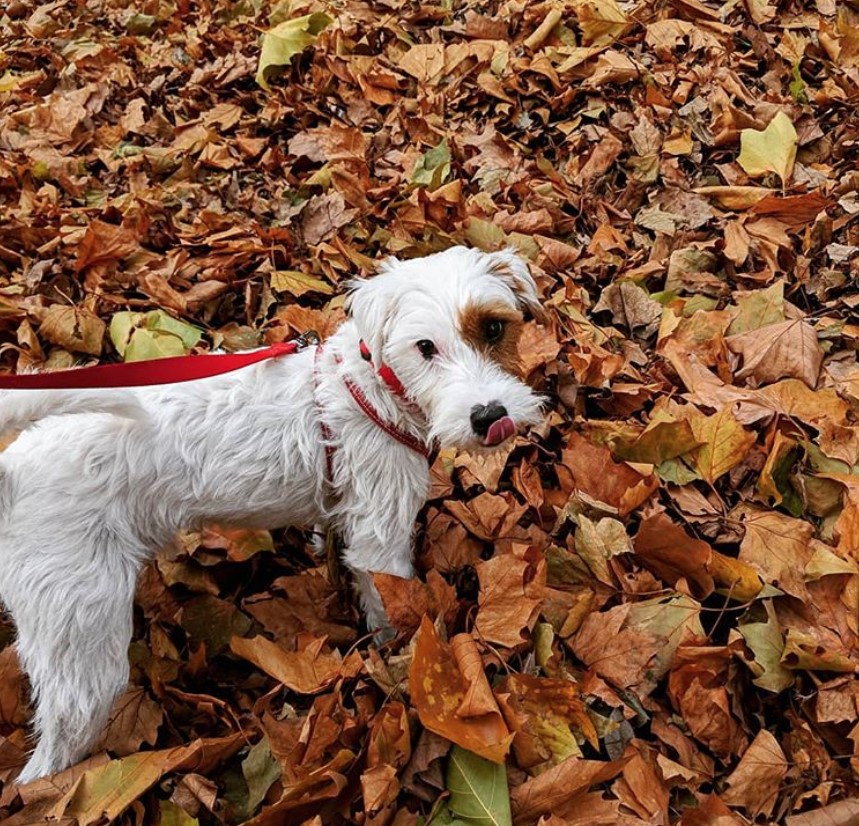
column 161, row 321
column 478, row 790
column 285, row 40
column 260, row 769
column 433, row 167
column 484, row 234
column 770, row 150
column 121, row 327
column 758, row 308
column 767, row 644
column 149, row 344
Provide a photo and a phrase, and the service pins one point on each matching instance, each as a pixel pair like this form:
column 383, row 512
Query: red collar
column 387, row 375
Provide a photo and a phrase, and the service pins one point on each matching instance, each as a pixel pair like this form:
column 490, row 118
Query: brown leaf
column 450, row 691
column 406, row 601
column 134, row 719
column 545, row 714
column 104, row 243
column 785, row 350
column 556, row 790
column 618, row 485
column 74, row 328
column 14, row 693
column 672, row 554
column 108, row 789
column 778, row 548
column 510, row 596
column 633, row 646
column 755, row 783
column 306, row 671
column 696, row 686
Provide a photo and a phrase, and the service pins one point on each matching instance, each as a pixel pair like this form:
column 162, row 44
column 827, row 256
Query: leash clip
column 309, row 338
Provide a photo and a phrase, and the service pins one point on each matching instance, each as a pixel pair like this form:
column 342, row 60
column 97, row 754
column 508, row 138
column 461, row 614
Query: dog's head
column 448, row 325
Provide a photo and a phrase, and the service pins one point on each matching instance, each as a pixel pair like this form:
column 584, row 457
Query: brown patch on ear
column 502, row 269
column 473, row 320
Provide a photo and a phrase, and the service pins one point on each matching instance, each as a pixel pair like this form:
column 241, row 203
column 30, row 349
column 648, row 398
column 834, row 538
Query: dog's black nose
column 482, row 416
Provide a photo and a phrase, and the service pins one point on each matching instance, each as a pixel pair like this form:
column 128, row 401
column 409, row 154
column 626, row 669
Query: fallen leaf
column 450, row 691
column 770, row 150
column 788, row 349
column 478, row 789
column 287, row 39
column 306, row 671
column 755, row 782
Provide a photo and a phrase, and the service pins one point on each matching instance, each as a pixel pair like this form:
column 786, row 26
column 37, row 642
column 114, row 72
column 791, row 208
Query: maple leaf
column 788, row 349
column 770, row 150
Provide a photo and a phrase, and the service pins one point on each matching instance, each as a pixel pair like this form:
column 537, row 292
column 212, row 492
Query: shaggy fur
column 98, row 481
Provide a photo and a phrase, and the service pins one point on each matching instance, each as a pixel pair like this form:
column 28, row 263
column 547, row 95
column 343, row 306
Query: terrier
column 337, row 436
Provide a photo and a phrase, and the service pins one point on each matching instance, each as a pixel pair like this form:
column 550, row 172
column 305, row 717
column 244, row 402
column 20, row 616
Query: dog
column 336, row 436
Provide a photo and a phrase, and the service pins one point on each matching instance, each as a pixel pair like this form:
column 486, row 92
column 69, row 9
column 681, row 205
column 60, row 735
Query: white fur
column 98, row 481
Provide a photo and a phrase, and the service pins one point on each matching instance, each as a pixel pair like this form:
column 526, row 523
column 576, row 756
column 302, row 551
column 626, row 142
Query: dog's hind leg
column 74, row 626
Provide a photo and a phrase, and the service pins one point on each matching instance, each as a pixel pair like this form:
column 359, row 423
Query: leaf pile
column 646, row 611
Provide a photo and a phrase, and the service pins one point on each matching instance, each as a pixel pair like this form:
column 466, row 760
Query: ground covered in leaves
column 646, row 612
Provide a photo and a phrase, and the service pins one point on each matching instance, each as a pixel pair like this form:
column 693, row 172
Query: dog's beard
column 450, row 418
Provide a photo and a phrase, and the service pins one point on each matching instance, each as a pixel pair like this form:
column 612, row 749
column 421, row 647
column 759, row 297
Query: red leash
column 146, row 373
column 175, row 369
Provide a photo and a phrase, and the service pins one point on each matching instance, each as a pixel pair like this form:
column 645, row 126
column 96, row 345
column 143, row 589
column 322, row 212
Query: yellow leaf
column 298, row 283
column 725, row 443
column 9, row 81
column 601, row 21
column 772, row 150
column 283, row 42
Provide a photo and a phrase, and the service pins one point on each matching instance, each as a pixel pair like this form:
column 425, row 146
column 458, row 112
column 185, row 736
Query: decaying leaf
column 452, row 696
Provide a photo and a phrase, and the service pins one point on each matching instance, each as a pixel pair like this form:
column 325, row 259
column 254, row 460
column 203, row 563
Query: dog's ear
column 513, row 271
column 371, row 303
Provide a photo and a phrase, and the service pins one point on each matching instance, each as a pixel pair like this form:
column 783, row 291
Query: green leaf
column 478, row 790
column 283, row 42
column 161, row 321
column 797, row 85
column 146, row 345
column 767, row 644
column 758, row 308
column 298, row 283
column 121, row 327
column 260, row 770
column 173, row 815
column 433, row 167
column 153, row 335
column 770, row 150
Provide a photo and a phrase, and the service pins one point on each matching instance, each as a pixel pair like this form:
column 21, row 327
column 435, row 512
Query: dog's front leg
column 378, row 543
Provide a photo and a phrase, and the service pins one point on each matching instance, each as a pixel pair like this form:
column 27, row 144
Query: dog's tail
column 21, row 408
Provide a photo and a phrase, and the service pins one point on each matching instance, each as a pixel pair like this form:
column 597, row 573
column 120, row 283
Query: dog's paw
column 384, row 633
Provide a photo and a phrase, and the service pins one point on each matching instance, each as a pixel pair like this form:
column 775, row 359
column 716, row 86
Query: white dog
column 337, row 436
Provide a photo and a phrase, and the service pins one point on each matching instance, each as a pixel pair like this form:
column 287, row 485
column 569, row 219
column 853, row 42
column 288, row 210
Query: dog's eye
column 427, row 348
column 494, row 330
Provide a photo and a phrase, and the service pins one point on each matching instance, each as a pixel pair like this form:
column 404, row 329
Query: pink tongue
column 499, row 431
